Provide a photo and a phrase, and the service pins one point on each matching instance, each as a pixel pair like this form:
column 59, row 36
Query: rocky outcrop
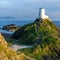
column 29, row 33
column 11, row 27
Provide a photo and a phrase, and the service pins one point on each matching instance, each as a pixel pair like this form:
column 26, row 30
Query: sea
column 21, row 23
column 24, row 22
column 17, row 23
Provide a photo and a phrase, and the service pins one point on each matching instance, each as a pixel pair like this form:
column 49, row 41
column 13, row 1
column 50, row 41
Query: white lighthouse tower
column 42, row 14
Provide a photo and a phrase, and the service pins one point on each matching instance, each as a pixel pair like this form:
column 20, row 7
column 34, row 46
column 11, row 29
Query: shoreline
column 6, row 33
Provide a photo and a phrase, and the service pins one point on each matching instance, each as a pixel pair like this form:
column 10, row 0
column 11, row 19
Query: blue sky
column 28, row 9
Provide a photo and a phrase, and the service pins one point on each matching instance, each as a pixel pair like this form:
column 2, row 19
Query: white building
column 42, row 14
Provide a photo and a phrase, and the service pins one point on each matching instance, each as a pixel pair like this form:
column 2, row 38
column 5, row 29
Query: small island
column 10, row 27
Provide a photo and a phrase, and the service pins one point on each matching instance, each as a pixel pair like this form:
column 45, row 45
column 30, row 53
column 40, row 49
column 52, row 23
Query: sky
column 29, row 9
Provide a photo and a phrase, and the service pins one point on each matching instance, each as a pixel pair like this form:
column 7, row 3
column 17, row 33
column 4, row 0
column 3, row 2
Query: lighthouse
column 42, row 14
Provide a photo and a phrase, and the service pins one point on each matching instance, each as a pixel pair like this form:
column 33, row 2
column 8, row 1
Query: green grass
column 49, row 46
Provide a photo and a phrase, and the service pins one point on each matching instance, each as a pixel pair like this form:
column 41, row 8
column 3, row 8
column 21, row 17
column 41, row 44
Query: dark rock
column 11, row 27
